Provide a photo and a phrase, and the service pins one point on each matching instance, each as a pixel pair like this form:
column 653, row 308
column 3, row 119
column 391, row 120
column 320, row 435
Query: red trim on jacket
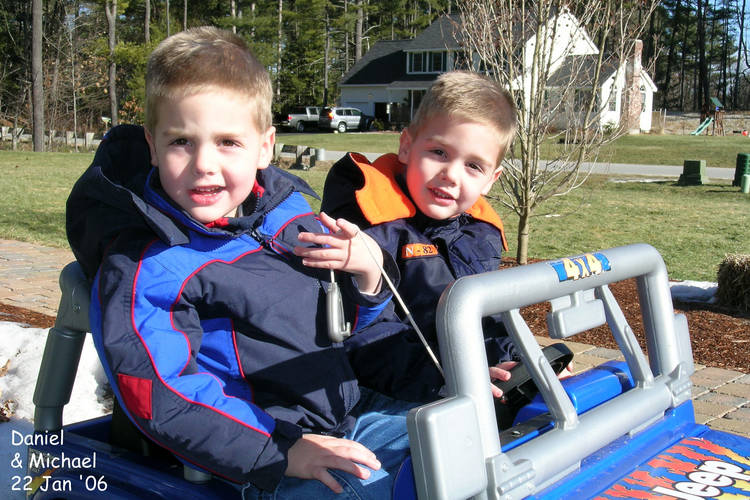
column 382, row 200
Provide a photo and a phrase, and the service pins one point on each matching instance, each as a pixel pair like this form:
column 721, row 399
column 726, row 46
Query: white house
column 390, row 79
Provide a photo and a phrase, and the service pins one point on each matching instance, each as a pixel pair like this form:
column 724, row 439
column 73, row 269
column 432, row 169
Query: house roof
column 385, row 62
column 382, row 64
column 580, row 71
column 443, row 33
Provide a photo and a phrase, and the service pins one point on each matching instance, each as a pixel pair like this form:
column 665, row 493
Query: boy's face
column 208, row 150
column 450, row 163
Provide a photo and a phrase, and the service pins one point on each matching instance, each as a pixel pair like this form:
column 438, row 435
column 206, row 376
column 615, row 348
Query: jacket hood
column 120, row 192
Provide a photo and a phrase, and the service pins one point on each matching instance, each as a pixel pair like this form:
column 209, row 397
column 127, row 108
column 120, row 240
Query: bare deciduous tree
column 37, row 76
column 110, row 10
column 147, row 23
column 522, row 44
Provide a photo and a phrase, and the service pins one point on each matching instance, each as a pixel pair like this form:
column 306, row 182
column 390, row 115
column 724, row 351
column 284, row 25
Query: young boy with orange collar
column 426, row 207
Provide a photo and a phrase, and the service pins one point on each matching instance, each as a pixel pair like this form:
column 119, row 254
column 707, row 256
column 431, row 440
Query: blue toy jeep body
column 624, row 429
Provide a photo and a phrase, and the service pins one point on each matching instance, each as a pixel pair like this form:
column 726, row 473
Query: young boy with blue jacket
column 210, row 329
column 425, row 206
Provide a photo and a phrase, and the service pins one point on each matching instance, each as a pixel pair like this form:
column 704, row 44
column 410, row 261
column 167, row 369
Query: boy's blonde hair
column 471, row 96
column 205, row 58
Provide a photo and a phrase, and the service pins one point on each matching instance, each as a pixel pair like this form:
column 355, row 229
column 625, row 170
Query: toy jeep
column 624, row 429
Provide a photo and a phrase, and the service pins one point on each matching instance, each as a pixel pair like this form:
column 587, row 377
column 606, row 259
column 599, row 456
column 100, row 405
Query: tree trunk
column 703, row 91
column 73, row 76
column 184, row 15
column 683, row 62
column 166, row 9
column 233, row 14
column 53, row 93
column 147, row 24
column 110, row 9
column 358, row 31
column 325, row 62
column 670, row 55
column 648, row 47
column 346, row 40
column 37, row 76
column 522, row 252
column 724, row 63
column 735, row 97
column 279, row 44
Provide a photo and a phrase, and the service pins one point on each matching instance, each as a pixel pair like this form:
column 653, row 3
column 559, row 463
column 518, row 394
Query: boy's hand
column 500, row 372
column 343, row 249
column 312, row 455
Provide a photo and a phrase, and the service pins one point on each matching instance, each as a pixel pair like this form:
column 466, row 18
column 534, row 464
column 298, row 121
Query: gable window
column 437, row 62
column 418, row 62
column 612, row 101
column 428, row 62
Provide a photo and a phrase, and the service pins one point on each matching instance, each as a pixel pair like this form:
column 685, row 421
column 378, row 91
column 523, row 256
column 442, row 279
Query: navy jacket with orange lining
column 430, row 255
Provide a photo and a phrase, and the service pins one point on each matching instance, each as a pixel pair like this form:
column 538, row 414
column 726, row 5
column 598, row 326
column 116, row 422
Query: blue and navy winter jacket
column 430, row 254
column 214, row 338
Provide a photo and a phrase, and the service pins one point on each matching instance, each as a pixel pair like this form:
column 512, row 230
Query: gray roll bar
column 455, row 442
column 62, row 350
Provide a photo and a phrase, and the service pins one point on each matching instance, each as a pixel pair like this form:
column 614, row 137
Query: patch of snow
column 694, row 291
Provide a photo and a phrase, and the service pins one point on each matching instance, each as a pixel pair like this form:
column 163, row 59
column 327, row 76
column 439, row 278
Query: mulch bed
column 719, row 338
column 25, row 316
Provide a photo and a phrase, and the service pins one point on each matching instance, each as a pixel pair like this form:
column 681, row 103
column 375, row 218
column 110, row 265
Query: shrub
column 734, row 282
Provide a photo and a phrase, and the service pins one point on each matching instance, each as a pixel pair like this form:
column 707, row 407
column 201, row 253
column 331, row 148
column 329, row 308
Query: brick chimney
column 633, row 101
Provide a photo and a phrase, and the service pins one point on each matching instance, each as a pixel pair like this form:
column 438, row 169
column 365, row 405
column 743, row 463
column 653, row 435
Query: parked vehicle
column 343, row 119
column 623, row 429
column 300, row 118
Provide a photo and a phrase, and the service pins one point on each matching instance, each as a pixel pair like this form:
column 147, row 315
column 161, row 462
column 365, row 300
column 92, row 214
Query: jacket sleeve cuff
column 272, row 462
column 351, row 291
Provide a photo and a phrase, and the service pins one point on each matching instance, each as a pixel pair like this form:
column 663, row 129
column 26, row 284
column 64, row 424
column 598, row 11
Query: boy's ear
column 151, row 148
column 266, row 148
column 404, row 145
column 491, row 182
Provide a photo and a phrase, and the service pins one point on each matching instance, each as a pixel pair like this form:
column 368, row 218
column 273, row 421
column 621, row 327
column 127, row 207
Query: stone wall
column 85, row 140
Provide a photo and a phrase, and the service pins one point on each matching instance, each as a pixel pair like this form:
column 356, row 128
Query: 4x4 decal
column 574, row 268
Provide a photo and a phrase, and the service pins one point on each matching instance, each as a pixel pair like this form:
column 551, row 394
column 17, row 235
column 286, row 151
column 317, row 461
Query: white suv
column 343, row 119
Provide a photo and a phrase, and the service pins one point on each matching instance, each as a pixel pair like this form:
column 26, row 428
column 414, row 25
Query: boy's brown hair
column 471, row 96
column 206, row 58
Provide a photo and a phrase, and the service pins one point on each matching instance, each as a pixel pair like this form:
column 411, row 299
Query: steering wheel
column 520, row 389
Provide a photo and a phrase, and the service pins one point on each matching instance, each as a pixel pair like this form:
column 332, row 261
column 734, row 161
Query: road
column 606, row 168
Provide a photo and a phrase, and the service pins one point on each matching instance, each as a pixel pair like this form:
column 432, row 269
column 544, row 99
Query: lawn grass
column 369, row 142
column 718, row 151
column 35, row 188
column 693, row 227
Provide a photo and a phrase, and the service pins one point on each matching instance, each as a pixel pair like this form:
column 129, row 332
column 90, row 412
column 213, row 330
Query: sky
column 21, row 347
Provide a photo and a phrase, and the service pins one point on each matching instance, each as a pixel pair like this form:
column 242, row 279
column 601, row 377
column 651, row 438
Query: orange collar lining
column 382, row 200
